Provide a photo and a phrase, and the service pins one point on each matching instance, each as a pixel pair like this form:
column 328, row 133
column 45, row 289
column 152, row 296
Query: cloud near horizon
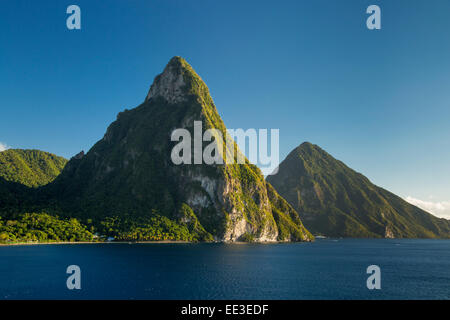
column 440, row 209
column 3, row 146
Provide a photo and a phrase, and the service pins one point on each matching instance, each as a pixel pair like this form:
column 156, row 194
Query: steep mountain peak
column 335, row 200
column 130, row 172
column 308, row 146
column 305, row 147
column 176, row 82
column 307, row 150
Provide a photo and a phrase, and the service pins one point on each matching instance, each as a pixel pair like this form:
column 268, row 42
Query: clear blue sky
column 377, row 100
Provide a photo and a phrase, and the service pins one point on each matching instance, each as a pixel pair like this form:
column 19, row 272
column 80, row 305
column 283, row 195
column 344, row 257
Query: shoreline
column 86, row 242
column 142, row 242
column 189, row 242
column 135, row 242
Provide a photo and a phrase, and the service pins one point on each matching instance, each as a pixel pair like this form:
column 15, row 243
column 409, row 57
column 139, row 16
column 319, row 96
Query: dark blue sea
column 325, row 269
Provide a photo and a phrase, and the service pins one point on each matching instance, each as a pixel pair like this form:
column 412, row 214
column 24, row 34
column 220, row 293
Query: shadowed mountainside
column 334, row 200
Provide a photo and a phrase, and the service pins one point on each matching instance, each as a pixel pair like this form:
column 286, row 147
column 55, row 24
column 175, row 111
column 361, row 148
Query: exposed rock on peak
column 175, row 83
column 169, row 84
column 130, row 172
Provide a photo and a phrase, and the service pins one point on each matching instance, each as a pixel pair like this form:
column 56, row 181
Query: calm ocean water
column 325, row 269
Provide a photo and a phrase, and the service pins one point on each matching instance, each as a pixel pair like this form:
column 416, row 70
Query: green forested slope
column 334, row 200
column 32, row 168
column 129, row 176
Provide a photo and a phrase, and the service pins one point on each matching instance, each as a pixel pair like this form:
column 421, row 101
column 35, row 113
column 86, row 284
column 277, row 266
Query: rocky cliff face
column 130, row 172
column 388, row 233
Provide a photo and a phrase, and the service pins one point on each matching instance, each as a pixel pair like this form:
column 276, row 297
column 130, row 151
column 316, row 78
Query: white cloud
column 3, row 147
column 440, row 209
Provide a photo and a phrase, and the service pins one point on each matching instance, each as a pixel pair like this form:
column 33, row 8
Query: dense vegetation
column 334, row 200
column 129, row 173
column 32, row 168
column 41, row 227
column 290, row 227
column 154, row 228
column 126, row 187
